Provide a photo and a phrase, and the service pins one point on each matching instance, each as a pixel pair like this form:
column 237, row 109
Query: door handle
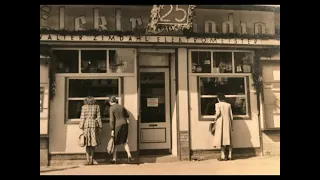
column 153, row 125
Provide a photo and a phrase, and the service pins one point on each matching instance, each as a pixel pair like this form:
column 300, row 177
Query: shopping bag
column 212, row 127
column 82, row 140
column 110, row 146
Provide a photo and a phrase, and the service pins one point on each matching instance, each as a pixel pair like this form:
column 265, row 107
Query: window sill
column 219, row 74
column 234, row 118
column 75, row 121
column 271, row 129
column 95, row 74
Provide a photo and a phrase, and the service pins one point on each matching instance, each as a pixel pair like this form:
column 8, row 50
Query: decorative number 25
column 162, row 18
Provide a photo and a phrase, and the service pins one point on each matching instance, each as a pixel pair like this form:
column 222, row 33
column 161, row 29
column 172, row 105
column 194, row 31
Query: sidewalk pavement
column 262, row 165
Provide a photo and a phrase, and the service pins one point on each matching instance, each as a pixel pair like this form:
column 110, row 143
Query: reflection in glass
column 122, row 60
column 93, row 87
column 222, row 62
column 228, row 86
column 74, row 109
column 243, row 62
column 66, row 61
column 238, row 105
column 93, row 61
column 201, row 62
column 152, row 85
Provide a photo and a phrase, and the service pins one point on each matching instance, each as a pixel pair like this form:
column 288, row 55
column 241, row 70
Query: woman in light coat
column 91, row 125
column 223, row 128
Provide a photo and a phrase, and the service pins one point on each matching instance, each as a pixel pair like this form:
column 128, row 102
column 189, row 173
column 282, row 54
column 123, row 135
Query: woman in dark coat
column 90, row 123
column 119, row 127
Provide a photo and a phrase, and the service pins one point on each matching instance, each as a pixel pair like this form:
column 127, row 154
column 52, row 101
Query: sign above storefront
column 128, row 18
column 173, row 15
column 157, row 39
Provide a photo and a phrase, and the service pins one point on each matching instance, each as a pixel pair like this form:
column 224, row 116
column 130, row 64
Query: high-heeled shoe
column 113, row 161
column 221, row 159
column 229, row 158
column 129, row 159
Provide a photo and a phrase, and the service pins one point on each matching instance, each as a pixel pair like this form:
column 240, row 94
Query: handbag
column 82, row 140
column 110, row 146
column 212, row 127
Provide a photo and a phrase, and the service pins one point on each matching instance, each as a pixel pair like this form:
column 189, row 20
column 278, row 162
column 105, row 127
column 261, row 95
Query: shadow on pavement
column 119, row 162
column 57, row 169
column 243, row 157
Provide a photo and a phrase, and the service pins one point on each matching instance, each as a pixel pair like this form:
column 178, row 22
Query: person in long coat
column 223, row 128
column 90, row 123
column 119, row 127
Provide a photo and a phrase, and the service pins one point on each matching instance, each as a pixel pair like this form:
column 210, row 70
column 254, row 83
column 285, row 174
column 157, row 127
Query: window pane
column 67, row 61
column 93, row 61
column 243, row 62
column 74, row 109
column 222, row 62
column 238, row 105
column 208, row 106
column 122, row 60
column 227, row 86
column 201, row 62
column 93, row 87
column 152, row 86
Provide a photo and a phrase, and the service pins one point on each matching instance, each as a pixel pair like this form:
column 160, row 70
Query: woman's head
column 89, row 100
column 221, row 97
column 113, row 100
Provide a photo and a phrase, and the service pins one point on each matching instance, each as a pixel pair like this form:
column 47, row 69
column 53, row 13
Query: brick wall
column 271, row 142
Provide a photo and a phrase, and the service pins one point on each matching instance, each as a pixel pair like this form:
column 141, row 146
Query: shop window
column 41, row 98
column 100, row 89
column 122, row 60
column 222, row 71
column 93, row 61
column 201, row 62
column 67, row 61
column 243, row 62
column 220, row 62
column 235, row 90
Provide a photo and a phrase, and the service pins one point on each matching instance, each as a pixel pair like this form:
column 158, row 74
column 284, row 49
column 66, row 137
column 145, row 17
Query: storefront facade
column 44, row 109
column 168, row 82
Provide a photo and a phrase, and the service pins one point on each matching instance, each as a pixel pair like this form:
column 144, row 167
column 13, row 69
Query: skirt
column 121, row 134
column 92, row 137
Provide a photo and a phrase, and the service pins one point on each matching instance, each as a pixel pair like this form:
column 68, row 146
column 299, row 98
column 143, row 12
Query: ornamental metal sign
column 170, row 18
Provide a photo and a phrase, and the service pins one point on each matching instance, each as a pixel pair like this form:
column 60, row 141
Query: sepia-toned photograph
column 159, row 89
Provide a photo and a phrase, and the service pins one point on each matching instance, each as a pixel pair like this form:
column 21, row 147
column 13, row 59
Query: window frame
column 246, row 77
column 211, row 61
column 67, row 98
column 235, row 117
column 108, row 73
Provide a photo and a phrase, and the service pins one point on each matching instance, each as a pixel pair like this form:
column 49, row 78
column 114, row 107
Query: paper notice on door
column 152, row 102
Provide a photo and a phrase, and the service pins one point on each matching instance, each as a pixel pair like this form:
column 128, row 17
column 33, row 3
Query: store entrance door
column 154, row 124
